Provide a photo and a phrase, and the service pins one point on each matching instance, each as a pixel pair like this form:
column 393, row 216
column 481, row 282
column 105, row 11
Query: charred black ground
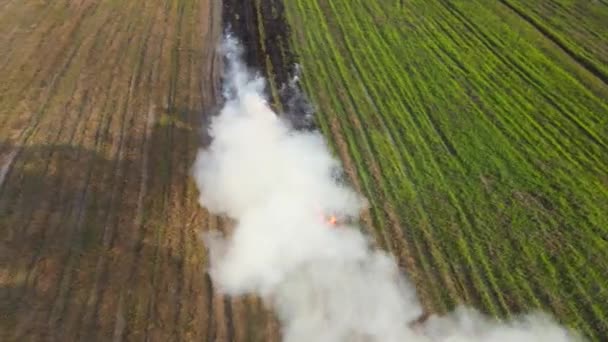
column 263, row 29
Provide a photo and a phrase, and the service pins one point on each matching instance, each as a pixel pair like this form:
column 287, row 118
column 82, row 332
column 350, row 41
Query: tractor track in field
column 6, row 166
column 583, row 61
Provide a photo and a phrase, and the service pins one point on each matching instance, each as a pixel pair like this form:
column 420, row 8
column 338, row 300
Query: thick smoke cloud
column 325, row 283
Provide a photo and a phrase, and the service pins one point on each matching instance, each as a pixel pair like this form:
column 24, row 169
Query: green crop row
column 577, row 27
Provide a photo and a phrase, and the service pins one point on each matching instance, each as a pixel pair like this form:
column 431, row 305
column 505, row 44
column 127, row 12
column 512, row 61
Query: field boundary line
column 583, row 61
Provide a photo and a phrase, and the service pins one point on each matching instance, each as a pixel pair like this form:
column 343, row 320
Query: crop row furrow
column 597, row 69
column 529, row 74
column 366, row 180
column 438, row 263
column 417, row 123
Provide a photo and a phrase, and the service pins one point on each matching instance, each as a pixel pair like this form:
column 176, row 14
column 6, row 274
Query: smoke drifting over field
column 324, row 283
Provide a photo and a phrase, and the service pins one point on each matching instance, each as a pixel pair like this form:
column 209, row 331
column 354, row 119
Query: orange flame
column 332, row 220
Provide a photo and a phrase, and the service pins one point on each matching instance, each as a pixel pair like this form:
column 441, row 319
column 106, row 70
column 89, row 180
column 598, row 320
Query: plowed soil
column 101, row 109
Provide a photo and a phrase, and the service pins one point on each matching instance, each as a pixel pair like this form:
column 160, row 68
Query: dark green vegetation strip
column 479, row 132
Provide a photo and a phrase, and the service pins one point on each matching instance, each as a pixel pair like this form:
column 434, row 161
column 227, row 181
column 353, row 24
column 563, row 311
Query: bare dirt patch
column 101, row 110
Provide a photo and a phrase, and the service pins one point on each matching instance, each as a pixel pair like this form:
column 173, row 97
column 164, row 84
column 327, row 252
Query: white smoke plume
column 325, row 283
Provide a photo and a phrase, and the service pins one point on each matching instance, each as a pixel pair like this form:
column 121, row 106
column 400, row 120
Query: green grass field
column 478, row 129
